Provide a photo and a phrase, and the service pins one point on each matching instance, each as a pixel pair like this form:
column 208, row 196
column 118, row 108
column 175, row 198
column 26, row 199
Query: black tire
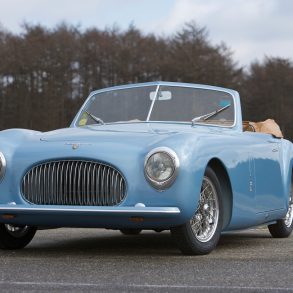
column 17, row 239
column 280, row 230
column 130, row 231
column 284, row 227
column 185, row 236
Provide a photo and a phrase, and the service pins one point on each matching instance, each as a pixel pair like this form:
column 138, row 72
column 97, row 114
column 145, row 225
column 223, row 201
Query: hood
column 122, row 145
column 116, row 144
column 107, row 140
column 124, row 137
column 94, row 133
column 129, row 135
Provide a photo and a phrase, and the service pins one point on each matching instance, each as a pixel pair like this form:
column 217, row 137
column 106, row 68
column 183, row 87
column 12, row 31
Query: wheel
column 15, row 237
column 130, row 231
column 201, row 234
column 284, row 227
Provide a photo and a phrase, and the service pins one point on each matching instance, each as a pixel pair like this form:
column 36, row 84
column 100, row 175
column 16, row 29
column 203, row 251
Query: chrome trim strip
column 130, row 210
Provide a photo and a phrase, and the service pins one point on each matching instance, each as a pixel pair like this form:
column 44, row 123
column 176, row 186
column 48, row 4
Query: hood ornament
column 75, row 145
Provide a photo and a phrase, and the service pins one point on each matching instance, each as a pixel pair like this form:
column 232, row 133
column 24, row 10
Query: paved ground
column 88, row 260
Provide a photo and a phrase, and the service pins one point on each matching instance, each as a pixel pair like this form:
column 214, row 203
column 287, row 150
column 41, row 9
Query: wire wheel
column 205, row 220
column 289, row 216
column 200, row 235
column 284, row 227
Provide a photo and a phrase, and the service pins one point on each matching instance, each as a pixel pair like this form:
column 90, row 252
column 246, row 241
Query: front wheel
column 201, row 234
column 15, row 237
column 284, row 227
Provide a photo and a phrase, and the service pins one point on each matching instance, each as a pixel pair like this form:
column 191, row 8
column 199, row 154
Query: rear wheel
column 130, row 231
column 200, row 235
column 15, row 237
column 284, row 227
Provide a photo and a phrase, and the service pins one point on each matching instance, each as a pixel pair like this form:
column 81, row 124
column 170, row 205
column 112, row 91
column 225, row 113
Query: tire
column 15, row 237
column 130, row 231
column 190, row 237
column 284, row 227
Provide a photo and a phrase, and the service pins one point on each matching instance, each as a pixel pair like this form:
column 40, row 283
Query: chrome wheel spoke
column 205, row 220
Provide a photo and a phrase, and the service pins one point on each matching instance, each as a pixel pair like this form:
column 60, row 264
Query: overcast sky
column 251, row 28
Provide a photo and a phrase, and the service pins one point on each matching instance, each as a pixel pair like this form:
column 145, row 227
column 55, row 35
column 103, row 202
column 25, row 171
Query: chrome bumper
column 22, row 209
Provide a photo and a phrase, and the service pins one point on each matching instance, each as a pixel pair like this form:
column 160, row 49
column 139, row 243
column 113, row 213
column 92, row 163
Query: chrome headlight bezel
column 2, row 166
column 161, row 185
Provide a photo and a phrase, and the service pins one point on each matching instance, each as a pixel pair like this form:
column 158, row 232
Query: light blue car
column 154, row 156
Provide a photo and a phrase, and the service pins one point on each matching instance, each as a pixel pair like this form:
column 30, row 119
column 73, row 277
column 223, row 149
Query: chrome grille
column 73, row 182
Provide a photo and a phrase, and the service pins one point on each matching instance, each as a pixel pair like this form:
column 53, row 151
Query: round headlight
column 161, row 167
column 2, row 165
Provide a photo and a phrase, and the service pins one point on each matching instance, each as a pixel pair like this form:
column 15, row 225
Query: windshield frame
column 158, row 85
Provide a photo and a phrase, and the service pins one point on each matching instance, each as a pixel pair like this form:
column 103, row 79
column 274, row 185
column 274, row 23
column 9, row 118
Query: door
column 268, row 176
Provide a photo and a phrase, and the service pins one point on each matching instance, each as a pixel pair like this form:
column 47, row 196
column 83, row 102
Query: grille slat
column 53, row 184
column 48, row 178
column 73, row 182
column 58, row 184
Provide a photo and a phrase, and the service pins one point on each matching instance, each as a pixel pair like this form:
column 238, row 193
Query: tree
column 192, row 58
column 45, row 74
column 267, row 92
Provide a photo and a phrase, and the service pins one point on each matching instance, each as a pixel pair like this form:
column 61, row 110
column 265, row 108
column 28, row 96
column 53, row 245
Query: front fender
column 14, row 137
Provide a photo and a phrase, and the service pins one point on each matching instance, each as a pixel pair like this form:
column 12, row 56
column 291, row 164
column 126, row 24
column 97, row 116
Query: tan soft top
column 268, row 126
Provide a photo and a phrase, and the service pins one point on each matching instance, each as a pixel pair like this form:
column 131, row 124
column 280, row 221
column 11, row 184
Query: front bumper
column 99, row 217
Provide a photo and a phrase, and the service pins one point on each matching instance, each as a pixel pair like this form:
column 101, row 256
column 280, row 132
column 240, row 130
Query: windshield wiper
column 209, row 115
column 97, row 119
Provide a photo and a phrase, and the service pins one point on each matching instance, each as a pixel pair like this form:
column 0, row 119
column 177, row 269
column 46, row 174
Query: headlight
column 2, row 165
column 161, row 167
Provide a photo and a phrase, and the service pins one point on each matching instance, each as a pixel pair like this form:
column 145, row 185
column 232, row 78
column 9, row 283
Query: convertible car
column 158, row 156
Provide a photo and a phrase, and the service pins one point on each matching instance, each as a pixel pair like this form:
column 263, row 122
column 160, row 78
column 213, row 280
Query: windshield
column 163, row 103
column 124, row 105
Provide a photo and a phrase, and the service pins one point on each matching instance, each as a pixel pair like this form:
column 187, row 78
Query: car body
column 104, row 175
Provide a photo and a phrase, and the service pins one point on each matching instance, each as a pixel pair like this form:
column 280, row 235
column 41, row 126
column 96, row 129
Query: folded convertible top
column 268, row 126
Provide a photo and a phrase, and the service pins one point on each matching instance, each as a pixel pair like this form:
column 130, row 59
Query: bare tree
column 267, row 92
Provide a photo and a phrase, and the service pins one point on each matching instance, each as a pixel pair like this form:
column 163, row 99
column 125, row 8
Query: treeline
column 45, row 74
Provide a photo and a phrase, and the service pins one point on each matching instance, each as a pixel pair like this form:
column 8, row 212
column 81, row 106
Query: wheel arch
column 227, row 195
